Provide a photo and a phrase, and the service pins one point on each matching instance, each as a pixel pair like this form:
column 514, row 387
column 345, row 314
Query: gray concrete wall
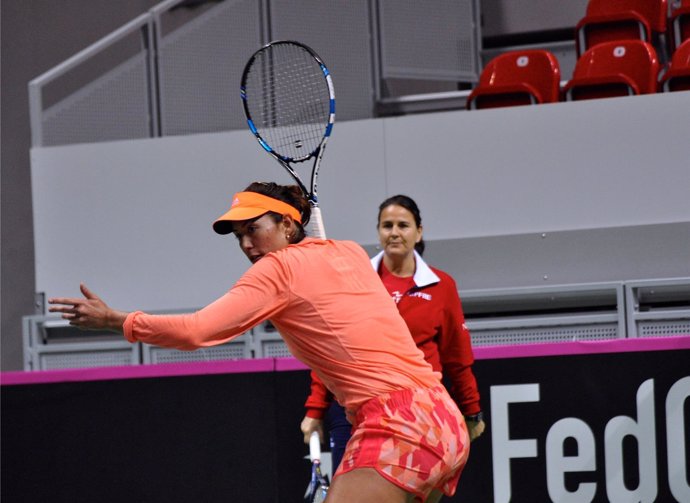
column 36, row 35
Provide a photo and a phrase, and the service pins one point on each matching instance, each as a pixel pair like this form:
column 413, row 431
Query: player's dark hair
column 290, row 194
column 409, row 204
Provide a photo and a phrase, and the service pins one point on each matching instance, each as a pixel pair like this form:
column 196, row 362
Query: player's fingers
column 64, row 300
column 68, row 313
column 88, row 293
column 68, row 310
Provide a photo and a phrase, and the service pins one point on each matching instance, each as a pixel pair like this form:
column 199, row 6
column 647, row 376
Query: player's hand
column 310, row 424
column 89, row 313
column 475, row 429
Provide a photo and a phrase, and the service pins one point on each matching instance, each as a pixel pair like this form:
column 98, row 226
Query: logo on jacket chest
column 397, row 295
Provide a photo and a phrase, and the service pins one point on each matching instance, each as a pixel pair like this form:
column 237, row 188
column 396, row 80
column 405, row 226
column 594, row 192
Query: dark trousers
column 339, row 431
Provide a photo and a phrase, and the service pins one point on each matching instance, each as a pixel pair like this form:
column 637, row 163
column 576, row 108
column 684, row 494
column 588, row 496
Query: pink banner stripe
column 283, row 364
column 289, row 364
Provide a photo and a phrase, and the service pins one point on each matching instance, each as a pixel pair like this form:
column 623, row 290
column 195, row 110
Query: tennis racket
column 318, row 485
column 287, row 94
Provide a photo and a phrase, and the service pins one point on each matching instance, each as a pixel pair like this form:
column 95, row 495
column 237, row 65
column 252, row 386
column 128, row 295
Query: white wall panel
column 132, row 219
column 557, row 167
column 508, row 17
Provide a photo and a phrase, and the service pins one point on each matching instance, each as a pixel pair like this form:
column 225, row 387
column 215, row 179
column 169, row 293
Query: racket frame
column 311, row 192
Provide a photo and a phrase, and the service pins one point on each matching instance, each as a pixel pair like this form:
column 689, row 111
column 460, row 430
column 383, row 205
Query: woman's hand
column 89, row 313
column 310, row 424
column 475, row 428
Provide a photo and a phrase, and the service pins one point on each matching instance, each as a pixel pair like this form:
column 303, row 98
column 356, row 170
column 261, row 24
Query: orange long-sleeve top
column 433, row 313
column 329, row 306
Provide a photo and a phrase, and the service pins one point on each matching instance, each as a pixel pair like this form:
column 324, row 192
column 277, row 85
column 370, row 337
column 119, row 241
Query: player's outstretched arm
column 89, row 312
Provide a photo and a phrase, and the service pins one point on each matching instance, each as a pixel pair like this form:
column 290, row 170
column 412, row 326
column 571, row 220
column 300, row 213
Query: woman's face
column 398, row 231
column 261, row 236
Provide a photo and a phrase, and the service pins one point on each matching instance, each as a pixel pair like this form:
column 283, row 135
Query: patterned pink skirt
column 415, row 438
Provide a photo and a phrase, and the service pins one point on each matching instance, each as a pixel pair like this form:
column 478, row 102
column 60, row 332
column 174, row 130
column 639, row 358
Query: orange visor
column 248, row 205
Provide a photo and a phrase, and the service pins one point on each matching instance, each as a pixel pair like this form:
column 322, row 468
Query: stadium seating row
column 679, row 25
column 617, row 43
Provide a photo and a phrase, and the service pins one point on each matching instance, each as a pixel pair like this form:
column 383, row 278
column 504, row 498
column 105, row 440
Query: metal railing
column 123, row 102
column 182, row 73
column 509, row 316
column 39, row 117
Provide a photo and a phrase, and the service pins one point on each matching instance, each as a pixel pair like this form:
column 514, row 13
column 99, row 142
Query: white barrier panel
column 133, row 219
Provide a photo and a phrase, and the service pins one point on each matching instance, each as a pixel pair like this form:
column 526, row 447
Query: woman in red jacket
column 427, row 299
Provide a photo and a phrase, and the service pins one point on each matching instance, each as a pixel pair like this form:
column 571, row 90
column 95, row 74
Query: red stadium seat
column 609, row 20
column 679, row 25
column 623, row 68
column 677, row 76
column 514, row 78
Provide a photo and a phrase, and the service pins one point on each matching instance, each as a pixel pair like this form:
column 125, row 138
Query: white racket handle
column 316, row 228
column 314, row 446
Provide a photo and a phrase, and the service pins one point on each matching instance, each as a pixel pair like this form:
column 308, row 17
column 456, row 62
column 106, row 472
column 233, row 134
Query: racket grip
column 316, row 228
column 314, row 446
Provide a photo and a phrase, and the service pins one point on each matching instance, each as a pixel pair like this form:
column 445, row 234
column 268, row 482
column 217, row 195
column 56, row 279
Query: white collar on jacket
column 423, row 275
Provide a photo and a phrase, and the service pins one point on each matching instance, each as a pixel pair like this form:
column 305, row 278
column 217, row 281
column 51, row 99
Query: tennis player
column 410, row 441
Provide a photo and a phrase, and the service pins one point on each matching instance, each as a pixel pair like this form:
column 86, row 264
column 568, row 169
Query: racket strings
column 289, row 100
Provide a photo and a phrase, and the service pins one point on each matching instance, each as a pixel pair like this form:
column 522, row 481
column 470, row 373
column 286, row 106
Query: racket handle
column 316, row 228
column 314, row 446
